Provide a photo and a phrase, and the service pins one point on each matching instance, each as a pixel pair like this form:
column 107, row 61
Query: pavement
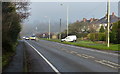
column 17, row 63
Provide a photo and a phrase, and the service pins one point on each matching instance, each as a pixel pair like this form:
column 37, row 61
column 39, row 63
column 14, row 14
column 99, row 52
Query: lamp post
column 48, row 26
column 60, row 30
column 67, row 18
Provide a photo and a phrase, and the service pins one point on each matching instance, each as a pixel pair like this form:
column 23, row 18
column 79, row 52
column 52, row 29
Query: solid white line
column 44, row 59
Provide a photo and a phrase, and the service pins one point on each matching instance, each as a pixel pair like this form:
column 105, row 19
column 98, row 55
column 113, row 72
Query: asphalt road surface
column 57, row 57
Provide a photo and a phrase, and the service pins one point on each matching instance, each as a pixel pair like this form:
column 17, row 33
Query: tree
column 78, row 27
column 115, row 33
column 13, row 15
column 102, row 29
column 91, row 28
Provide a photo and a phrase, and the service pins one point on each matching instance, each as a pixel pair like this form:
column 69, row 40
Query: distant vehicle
column 32, row 38
column 71, row 38
column 26, row 38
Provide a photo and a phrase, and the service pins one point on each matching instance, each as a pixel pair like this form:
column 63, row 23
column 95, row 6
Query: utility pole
column 67, row 19
column 49, row 28
column 60, row 30
column 108, row 23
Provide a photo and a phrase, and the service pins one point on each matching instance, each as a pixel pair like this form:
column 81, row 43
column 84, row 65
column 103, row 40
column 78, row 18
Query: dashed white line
column 111, row 62
column 55, row 69
column 90, row 49
column 105, row 63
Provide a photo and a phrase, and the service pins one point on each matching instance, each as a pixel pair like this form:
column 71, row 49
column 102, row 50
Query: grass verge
column 90, row 44
column 7, row 56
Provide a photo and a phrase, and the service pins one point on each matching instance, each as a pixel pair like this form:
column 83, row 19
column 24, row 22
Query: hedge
column 96, row 36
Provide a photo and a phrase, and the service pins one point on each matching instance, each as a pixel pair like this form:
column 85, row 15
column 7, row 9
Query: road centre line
column 55, row 69
column 90, row 49
column 105, row 63
column 111, row 62
column 87, row 56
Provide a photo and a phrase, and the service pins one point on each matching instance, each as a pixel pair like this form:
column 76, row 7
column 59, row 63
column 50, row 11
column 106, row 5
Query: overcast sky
column 77, row 10
column 54, row 11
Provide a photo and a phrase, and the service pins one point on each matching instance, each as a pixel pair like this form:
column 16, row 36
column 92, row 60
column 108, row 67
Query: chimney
column 91, row 19
column 77, row 21
column 113, row 14
column 84, row 19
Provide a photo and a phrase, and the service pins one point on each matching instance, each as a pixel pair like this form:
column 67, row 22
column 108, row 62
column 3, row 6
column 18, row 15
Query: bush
column 114, row 35
column 101, row 36
column 91, row 36
column 102, row 29
column 97, row 36
column 80, row 35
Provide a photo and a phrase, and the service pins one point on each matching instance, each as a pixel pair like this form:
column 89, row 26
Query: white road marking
column 55, row 69
column 72, row 52
column 111, row 62
column 84, row 56
column 91, row 49
column 79, row 55
column 67, row 51
column 105, row 63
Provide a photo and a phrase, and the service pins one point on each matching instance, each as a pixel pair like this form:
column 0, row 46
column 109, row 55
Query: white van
column 71, row 38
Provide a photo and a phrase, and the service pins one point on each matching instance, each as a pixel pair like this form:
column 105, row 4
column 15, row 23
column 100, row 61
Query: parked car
column 32, row 38
column 71, row 38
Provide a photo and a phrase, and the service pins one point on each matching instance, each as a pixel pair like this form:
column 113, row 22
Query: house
column 54, row 36
column 95, row 24
column 103, row 21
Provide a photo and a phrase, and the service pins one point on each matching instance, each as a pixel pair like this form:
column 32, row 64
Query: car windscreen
column 32, row 36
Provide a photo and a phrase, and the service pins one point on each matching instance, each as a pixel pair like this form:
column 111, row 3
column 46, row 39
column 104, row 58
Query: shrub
column 79, row 35
column 97, row 36
column 101, row 36
column 102, row 29
column 91, row 36
column 114, row 35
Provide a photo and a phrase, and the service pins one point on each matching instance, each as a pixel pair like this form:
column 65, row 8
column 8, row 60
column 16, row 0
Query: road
column 67, row 58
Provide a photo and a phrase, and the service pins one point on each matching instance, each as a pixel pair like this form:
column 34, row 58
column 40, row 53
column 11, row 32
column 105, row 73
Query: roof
column 113, row 19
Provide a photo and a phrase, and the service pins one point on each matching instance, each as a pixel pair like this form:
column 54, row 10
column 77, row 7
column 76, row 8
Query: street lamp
column 60, row 30
column 49, row 26
column 67, row 18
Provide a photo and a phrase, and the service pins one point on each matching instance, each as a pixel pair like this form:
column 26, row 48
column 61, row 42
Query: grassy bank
column 90, row 44
column 7, row 56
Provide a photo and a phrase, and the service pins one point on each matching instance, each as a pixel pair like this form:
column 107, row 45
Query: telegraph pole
column 60, row 30
column 108, row 23
column 49, row 28
column 67, row 20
